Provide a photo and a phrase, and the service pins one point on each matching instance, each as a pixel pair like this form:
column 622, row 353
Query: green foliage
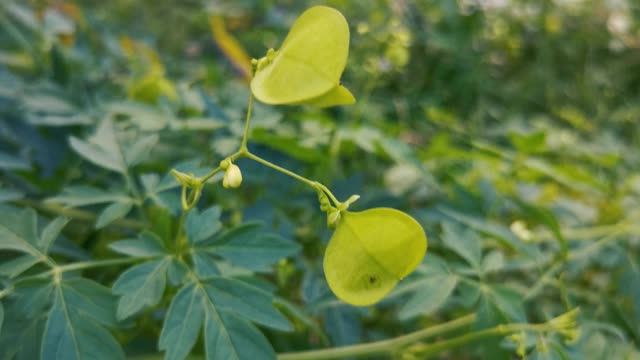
column 507, row 129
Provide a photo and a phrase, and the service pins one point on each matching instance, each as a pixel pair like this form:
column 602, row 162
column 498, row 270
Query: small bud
column 232, row 177
column 224, row 164
column 333, row 218
column 187, row 180
column 351, row 200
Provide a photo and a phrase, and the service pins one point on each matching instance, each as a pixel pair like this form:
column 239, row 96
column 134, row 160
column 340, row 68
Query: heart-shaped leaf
column 308, row 66
column 370, row 251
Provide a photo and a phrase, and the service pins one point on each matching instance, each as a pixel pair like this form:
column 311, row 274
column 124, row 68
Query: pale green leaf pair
column 307, row 67
column 370, row 251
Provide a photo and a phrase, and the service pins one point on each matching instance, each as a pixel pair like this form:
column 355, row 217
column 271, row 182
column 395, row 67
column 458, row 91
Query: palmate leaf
column 73, row 329
column 102, row 149
column 463, row 242
column 226, row 304
column 19, row 232
column 427, row 290
column 248, row 246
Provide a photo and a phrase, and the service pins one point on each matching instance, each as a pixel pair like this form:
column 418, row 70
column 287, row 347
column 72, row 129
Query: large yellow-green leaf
column 370, row 252
column 308, row 66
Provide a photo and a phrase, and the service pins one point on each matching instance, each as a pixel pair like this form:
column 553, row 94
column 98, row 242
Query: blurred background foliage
column 508, row 128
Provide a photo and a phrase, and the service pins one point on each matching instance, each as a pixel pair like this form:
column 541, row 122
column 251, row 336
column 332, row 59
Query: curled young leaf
column 370, row 251
column 307, row 68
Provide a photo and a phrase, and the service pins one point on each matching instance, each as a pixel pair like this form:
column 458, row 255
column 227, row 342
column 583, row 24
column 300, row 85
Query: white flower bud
column 232, row 177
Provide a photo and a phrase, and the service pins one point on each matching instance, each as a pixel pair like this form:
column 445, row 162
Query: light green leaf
column 308, row 66
column 463, row 242
column 10, row 162
column 1, row 317
column 248, row 246
column 102, row 149
column 68, row 336
column 86, row 195
column 112, row 213
column 497, row 231
column 247, row 301
column 370, row 251
column 59, row 120
column 147, row 244
column 51, row 232
column 494, row 261
column 549, row 219
column 140, row 150
column 432, row 293
column 202, row 226
column 182, row 323
column 97, row 155
column 47, row 103
column 140, row 286
column 10, row 195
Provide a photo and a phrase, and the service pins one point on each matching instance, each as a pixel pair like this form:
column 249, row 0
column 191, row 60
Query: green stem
column 245, row 136
column 500, row 330
column 587, row 251
column 314, row 184
column 262, row 161
column 98, row 263
column 58, row 269
column 380, row 347
column 179, row 239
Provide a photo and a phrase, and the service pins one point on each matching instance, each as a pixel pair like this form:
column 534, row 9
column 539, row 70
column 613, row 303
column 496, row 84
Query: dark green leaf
column 68, row 336
column 228, row 337
column 432, row 293
column 463, row 242
column 140, row 286
column 91, row 299
column 249, row 247
column 112, row 213
column 204, row 264
column 182, row 323
column 177, row 272
column 18, row 231
column 202, row 226
column 87, row 195
column 9, row 162
column 147, row 244
column 245, row 300
column 51, row 232
column 18, row 265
